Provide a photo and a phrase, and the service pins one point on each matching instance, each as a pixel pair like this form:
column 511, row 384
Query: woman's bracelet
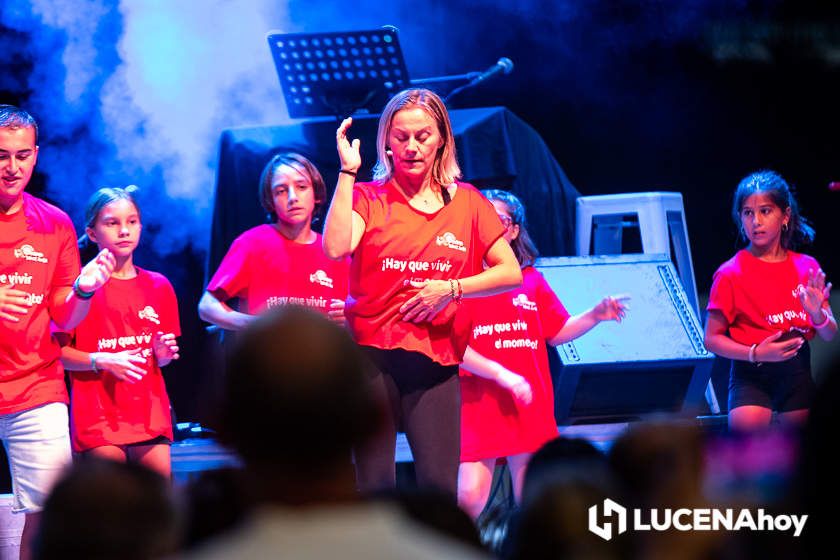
column 93, row 357
column 824, row 322
column 347, row 172
column 456, row 292
column 80, row 293
column 751, row 355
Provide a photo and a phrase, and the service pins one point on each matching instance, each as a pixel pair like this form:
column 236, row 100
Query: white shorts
column 37, row 442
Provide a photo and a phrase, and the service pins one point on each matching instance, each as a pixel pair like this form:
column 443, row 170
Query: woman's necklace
column 426, row 201
column 429, row 198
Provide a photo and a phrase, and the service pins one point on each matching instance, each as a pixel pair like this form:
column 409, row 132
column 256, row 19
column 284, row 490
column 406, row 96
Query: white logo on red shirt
column 448, row 239
column 522, row 301
column 320, row 277
column 149, row 313
column 797, row 291
column 28, row 252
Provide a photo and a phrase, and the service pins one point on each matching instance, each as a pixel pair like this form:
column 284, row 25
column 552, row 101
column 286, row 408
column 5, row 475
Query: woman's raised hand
column 348, row 151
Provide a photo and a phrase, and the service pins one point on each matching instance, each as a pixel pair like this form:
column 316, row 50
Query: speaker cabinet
column 653, row 361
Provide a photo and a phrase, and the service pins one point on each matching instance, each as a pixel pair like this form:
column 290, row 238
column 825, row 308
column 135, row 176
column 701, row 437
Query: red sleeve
column 171, row 317
column 361, row 201
column 553, row 314
column 67, row 267
column 722, row 296
column 233, row 276
column 487, row 226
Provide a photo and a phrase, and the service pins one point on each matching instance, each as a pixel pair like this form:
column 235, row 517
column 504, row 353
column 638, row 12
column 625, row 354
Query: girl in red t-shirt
column 417, row 239
column 282, row 262
column 507, row 398
column 765, row 304
column 119, row 408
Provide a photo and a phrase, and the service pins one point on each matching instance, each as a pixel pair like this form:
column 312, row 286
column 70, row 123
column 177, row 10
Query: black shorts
column 779, row 386
column 158, row 440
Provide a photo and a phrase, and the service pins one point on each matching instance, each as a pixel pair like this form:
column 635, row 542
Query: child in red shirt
column 282, row 262
column 766, row 303
column 507, row 398
column 119, row 408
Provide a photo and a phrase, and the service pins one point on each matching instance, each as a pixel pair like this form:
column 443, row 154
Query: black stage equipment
column 338, row 74
column 503, row 66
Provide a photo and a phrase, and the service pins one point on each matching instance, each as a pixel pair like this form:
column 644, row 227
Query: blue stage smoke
column 137, row 92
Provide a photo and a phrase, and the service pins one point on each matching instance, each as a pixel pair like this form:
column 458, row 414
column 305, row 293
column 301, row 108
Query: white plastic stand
column 662, row 224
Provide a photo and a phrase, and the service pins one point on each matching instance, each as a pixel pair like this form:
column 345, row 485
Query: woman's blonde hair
column 445, row 169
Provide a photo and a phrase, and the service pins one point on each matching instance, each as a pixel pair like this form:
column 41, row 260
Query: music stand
column 338, row 74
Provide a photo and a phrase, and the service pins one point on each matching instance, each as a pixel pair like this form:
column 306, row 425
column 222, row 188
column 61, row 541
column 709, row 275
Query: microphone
column 504, row 65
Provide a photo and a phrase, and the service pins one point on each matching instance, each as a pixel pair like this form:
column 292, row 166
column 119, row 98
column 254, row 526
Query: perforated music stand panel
column 337, row 74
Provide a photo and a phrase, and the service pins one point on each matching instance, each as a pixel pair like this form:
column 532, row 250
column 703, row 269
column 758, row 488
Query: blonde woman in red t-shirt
column 766, row 303
column 418, row 239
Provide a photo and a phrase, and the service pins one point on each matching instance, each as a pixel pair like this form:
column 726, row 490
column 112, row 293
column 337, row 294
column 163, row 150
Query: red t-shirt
column 124, row 315
column 759, row 298
column 264, row 269
column 510, row 328
column 38, row 255
column 401, row 243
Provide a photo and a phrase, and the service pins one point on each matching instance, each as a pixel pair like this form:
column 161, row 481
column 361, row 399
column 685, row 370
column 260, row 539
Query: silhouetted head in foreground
column 107, row 510
column 297, row 402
